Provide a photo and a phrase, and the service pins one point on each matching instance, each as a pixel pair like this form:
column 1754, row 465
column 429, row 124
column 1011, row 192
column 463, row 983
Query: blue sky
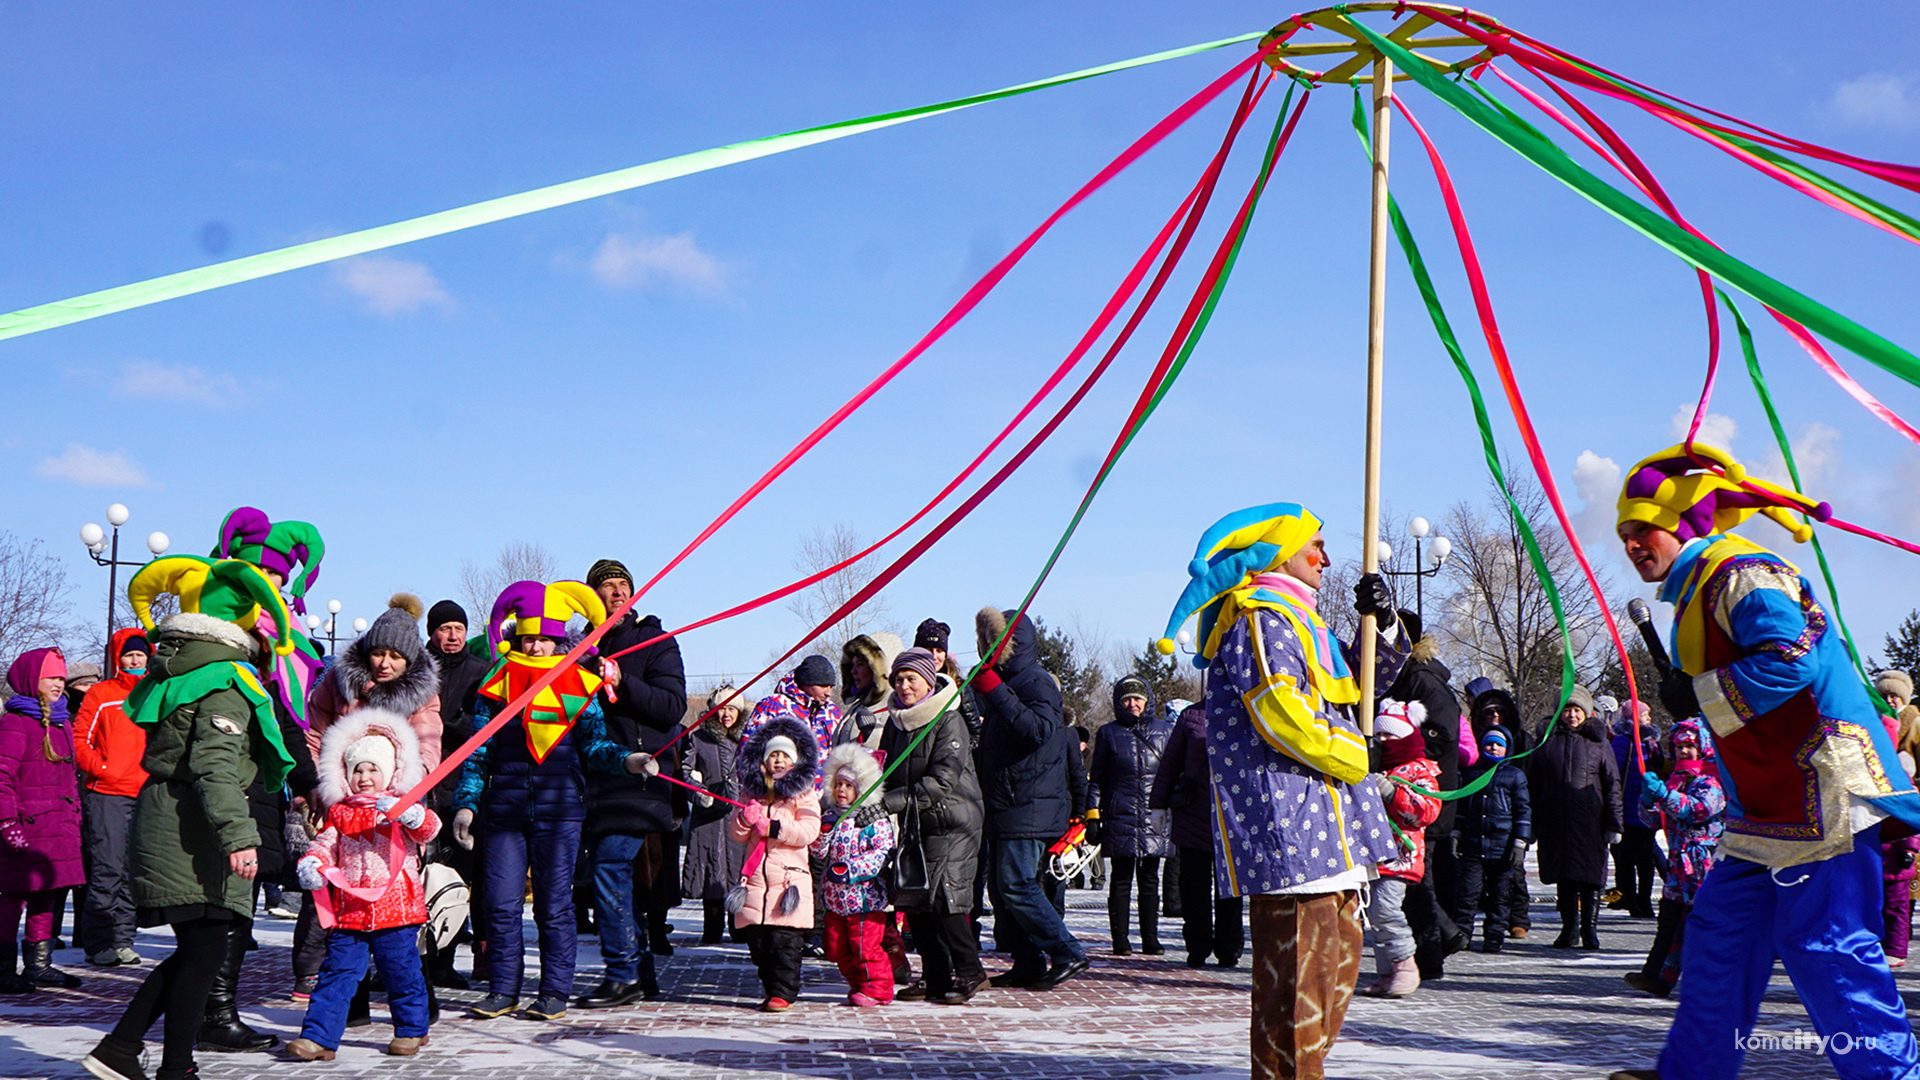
column 603, row 378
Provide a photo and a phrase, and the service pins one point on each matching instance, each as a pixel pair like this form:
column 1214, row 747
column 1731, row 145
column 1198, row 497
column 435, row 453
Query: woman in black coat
column 1182, row 786
column 934, row 793
column 1575, row 787
column 1126, row 757
column 713, row 862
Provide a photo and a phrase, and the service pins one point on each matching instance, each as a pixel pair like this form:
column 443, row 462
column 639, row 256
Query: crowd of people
column 866, row 811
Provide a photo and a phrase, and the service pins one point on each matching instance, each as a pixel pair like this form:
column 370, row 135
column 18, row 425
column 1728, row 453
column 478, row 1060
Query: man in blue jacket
column 1023, row 769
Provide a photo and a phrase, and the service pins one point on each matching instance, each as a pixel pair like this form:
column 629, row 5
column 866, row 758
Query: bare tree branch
column 36, row 606
column 520, row 560
column 819, row 550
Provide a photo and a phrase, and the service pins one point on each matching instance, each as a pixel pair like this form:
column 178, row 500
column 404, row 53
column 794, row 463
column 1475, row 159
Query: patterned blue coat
column 1282, row 823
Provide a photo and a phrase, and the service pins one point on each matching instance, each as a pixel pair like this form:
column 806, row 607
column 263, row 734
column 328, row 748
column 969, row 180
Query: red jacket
column 107, row 746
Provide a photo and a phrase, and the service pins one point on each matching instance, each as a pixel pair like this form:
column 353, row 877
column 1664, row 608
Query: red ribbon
column 966, row 304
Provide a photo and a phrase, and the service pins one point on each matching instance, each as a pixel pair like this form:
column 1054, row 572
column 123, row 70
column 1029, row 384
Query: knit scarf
column 30, row 707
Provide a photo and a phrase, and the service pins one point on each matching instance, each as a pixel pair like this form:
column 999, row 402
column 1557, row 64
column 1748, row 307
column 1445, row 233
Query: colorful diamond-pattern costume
column 554, row 709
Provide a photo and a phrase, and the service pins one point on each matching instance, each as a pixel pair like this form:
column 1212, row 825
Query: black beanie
column 443, row 612
column 136, row 643
column 815, row 670
column 932, row 634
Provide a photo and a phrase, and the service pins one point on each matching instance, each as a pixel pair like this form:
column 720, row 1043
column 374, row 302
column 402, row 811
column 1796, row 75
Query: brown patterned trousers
column 1306, row 960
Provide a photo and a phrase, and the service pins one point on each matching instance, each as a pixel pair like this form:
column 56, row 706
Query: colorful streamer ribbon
column 248, row 268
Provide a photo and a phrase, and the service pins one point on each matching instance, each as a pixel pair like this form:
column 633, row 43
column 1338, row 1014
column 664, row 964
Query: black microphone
column 1642, row 617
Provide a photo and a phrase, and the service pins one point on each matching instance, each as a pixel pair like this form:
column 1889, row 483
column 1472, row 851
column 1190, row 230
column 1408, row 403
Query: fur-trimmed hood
column 408, row 769
column 1023, row 649
column 1128, row 686
column 878, row 649
column 352, row 671
column 192, row 624
column 746, row 768
column 855, row 761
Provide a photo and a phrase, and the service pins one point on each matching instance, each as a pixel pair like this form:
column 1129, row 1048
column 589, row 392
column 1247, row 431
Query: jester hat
column 1242, row 544
column 248, row 534
column 1687, row 496
column 542, row 609
column 233, row 590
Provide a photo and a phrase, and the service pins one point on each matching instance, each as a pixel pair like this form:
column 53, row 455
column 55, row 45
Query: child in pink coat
column 1403, row 754
column 780, row 821
column 368, row 759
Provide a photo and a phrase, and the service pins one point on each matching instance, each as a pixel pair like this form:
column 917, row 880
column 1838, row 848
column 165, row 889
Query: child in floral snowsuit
column 856, row 850
column 1692, row 808
column 1403, row 753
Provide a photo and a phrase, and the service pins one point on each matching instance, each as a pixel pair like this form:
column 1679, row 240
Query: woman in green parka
column 210, row 731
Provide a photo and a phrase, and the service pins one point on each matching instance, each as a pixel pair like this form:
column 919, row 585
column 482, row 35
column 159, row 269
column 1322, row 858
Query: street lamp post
column 333, row 617
column 98, row 542
column 1418, row 528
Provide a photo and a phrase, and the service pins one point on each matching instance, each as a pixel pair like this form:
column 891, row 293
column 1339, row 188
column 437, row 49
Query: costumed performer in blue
column 1300, row 827
column 1808, row 769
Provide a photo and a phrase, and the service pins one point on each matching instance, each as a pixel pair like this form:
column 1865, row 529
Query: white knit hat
column 780, row 744
column 375, row 748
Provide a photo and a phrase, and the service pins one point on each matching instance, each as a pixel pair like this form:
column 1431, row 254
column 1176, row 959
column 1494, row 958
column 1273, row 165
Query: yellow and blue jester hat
column 1238, row 546
column 232, row 590
column 540, row 609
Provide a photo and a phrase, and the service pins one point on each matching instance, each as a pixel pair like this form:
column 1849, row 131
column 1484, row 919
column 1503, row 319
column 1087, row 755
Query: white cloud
column 391, row 286
column 1877, row 100
column 81, row 464
column 1596, row 480
column 1716, row 429
column 183, row 383
column 646, row 262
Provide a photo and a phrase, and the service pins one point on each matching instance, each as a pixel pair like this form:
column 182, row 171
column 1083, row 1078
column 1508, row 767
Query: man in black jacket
column 461, row 672
column 1023, row 769
column 626, row 815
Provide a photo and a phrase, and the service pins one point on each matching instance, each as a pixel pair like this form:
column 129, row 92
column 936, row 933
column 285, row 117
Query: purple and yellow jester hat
column 232, row 590
column 279, row 546
column 1244, row 543
column 1687, row 497
column 542, row 609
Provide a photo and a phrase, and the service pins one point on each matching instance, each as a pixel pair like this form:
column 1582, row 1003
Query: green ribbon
column 1793, row 470
column 1692, row 250
column 153, row 700
column 1443, row 328
column 232, row 272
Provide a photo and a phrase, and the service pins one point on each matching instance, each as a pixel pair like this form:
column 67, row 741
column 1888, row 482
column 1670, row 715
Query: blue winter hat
column 815, row 670
column 1243, row 543
column 1497, row 735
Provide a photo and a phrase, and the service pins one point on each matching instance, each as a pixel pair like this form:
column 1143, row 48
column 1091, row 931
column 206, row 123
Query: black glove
column 1676, row 693
column 1371, row 597
column 1376, row 762
column 1093, row 833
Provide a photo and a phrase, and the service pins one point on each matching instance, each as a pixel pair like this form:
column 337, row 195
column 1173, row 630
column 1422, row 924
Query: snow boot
column 37, row 964
column 1404, row 980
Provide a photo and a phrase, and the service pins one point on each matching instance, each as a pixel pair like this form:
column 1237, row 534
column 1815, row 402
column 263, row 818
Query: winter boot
column 1119, row 926
column 1150, row 931
column 37, row 964
column 1382, row 977
column 1568, row 902
column 11, row 981
column 223, row 1031
column 1589, row 919
column 1405, row 980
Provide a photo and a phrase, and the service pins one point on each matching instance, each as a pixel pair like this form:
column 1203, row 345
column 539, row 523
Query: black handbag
column 909, row 861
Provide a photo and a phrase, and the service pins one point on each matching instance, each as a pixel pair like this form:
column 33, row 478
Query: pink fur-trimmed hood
column 408, row 769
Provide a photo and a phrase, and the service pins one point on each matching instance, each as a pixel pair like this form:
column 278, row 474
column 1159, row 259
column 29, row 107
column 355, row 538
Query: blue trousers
column 396, row 950
column 621, row 913
column 1024, row 921
column 549, row 849
column 1823, row 922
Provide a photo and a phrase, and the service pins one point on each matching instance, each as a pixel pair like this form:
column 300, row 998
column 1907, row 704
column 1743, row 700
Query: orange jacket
column 107, row 746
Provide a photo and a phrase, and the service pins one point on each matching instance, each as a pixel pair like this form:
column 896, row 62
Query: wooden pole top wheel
column 1328, row 33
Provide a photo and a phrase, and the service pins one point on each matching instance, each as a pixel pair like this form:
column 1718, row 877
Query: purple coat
column 43, row 796
column 1183, row 779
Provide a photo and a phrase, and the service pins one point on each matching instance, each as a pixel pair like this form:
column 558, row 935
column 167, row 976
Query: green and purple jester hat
column 249, row 535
